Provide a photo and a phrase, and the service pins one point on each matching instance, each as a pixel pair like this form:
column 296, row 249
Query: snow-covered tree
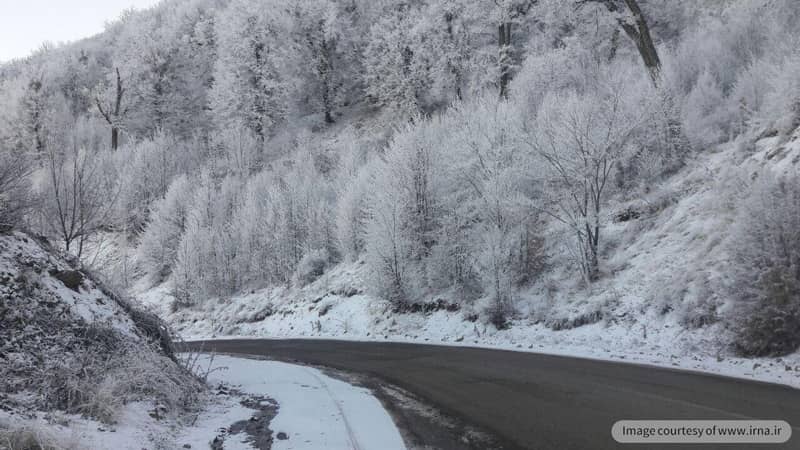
column 165, row 57
column 146, row 170
column 396, row 71
column 501, row 199
column 158, row 246
column 581, row 138
column 249, row 88
column 78, row 192
column 403, row 211
column 15, row 169
column 322, row 55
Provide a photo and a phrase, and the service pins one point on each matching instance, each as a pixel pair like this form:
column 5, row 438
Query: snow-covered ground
column 314, row 411
column 659, row 302
column 135, row 430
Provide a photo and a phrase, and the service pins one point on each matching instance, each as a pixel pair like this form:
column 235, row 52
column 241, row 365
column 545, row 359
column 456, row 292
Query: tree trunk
column 112, row 114
column 114, row 138
column 448, row 18
column 504, row 41
column 640, row 33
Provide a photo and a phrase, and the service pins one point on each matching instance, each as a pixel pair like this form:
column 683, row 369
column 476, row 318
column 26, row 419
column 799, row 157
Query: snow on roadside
column 315, row 411
column 335, row 308
column 135, row 430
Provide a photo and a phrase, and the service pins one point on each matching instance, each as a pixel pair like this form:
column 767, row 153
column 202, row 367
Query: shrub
column 27, row 437
column 311, row 267
column 95, row 385
column 499, row 312
column 765, row 250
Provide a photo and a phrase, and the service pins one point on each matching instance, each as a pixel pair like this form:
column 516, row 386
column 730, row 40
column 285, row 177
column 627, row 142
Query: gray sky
column 26, row 24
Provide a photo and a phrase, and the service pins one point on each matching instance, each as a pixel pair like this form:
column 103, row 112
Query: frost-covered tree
column 448, row 31
column 507, row 15
column 113, row 111
column 249, row 88
column 501, row 199
column 633, row 21
column 146, row 170
column 158, row 246
column 166, row 57
column 322, row 54
column 15, row 169
column 581, row 138
column 205, row 265
column 34, row 114
column 404, row 210
column 78, row 192
column 237, row 150
column 352, row 215
column 14, row 136
column 395, row 69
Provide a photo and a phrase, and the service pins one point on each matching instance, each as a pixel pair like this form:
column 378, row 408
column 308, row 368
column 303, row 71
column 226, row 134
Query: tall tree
column 320, row 30
column 248, row 85
column 166, row 56
column 396, row 72
column 581, row 139
column 509, row 13
column 113, row 112
column 636, row 27
column 79, row 192
column 448, row 28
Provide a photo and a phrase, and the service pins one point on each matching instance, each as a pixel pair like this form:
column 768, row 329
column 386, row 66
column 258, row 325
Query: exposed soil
column 256, row 429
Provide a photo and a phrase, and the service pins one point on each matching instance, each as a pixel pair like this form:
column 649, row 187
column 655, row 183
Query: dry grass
column 98, row 385
column 31, row 437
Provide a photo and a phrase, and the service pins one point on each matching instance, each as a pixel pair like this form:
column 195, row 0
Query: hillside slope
column 660, row 302
column 71, row 351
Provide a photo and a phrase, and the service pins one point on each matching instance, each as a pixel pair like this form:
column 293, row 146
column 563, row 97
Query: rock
column 460, row 339
column 282, row 436
column 187, row 445
column 159, row 412
column 72, row 279
column 756, row 366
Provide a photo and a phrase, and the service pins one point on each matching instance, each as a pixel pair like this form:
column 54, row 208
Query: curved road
column 534, row 401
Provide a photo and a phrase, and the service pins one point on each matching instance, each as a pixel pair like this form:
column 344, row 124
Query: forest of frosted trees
column 450, row 145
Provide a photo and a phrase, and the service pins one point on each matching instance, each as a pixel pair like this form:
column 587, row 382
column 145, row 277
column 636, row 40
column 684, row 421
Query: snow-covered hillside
column 76, row 360
column 658, row 305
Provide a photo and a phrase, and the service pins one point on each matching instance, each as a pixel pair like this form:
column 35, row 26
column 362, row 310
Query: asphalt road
column 534, row 401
